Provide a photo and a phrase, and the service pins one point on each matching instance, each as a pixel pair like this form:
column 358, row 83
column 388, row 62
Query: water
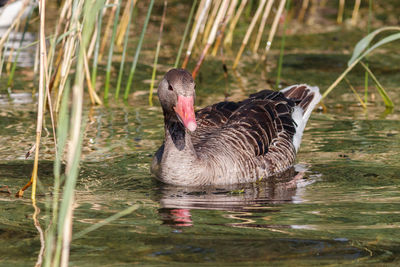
column 342, row 207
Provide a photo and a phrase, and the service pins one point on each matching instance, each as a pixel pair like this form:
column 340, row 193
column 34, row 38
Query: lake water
column 342, row 207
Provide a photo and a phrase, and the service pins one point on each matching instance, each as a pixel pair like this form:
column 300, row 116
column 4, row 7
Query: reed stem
column 248, row 33
column 211, row 19
column 42, row 36
column 224, row 23
column 262, row 25
column 96, row 49
column 366, row 78
column 195, row 32
column 153, row 76
column 124, row 22
column 386, row 99
column 355, row 93
column 135, row 60
column 232, row 26
column 211, row 38
column 340, row 12
column 62, row 131
column 126, row 38
column 107, row 29
column 76, row 133
column 185, row 34
column 274, row 27
column 340, row 78
column 111, row 51
column 354, row 16
column 303, row 9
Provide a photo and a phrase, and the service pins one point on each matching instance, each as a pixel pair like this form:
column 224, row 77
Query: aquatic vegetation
column 131, row 5
column 361, row 50
column 153, row 76
column 73, row 54
column 111, row 51
column 138, row 48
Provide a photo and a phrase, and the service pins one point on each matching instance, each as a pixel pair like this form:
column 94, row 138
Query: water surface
column 340, row 205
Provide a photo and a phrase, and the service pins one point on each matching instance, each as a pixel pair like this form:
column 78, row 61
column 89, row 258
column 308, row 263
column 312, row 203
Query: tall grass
column 153, row 76
column 211, row 36
column 132, row 4
column 111, row 51
column 178, row 57
column 42, row 88
column 368, row 32
column 361, row 50
column 86, row 28
column 248, row 32
column 139, row 47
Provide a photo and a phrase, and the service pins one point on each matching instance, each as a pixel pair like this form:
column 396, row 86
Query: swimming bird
column 229, row 142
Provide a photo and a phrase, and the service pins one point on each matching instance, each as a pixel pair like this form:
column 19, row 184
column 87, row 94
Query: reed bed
column 153, row 76
column 73, row 53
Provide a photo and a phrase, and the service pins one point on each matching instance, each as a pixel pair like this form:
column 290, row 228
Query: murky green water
column 342, row 208
column 346, row 208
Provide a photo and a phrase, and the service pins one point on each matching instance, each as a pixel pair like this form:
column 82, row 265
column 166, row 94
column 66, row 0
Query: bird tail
column 306, row 98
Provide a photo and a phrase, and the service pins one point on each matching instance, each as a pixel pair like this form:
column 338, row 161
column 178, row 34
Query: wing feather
column 259, row 121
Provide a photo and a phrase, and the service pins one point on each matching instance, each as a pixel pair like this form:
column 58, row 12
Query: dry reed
column 235, row 20
column 211, row 38
column 262, row 25
column 197, row 25
column 248, row 33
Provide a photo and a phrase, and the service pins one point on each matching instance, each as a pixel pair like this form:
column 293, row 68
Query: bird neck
column 179, row 158
column 177, row 136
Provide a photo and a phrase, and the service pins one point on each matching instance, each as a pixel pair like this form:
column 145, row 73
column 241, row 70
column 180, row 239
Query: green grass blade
column 62, row 132
column 106, row 221
column 386, row 99
column 77, row 126
column 366, row 79
column 385, row 40
column 135, row 60
column 153, row 76
column 111, row 51
column 126, row 38
column 355, row 93
column 96, row 48
column 365, row 42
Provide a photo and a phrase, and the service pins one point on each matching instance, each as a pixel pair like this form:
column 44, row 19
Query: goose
column 229, row 142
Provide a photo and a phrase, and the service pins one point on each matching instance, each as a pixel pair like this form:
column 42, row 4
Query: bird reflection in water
column 240, row 201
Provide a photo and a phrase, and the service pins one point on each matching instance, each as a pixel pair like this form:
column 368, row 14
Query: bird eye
column 170, row 88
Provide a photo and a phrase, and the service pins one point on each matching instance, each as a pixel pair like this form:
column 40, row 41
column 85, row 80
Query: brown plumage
column 233, row 142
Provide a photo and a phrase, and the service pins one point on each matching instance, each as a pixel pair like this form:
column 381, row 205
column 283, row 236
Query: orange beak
column 185, row 111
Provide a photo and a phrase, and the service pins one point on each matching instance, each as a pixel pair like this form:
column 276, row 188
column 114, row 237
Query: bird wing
column 252, row 125
column 262, row 121
column 211, row 118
